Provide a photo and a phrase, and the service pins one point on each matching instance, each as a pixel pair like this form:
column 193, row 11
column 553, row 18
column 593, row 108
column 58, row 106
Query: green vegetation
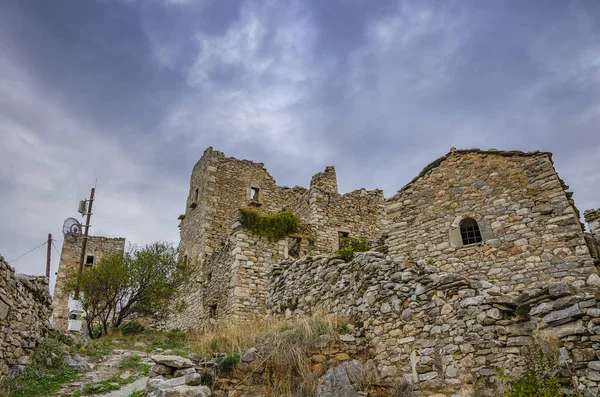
column 133, row 328
column 227, row 363
column 275, row 226
column 134, row 364
column 140, row 281
column 540, row 378
column 137, row 393
column 47, row 373
column 350, row 245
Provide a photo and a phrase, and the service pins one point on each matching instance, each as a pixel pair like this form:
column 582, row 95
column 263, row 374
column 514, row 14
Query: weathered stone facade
column 530, row 229
column 97, row 247
column 444, row 332
column 232, row 264
column 25, row 308
column 482, row 253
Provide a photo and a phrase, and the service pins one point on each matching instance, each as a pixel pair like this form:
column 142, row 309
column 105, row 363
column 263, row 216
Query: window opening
column 197, row 195
column 212, row 311
column 254, row 193
column 209, row 276
column 294, row 244
column 89, row 260
column 343, row 239
column 469, row 231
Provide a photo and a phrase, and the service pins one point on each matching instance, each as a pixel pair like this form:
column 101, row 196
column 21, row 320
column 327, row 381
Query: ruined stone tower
column 97, row 248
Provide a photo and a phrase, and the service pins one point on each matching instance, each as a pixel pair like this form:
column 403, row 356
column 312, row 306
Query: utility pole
column 48, row 253
column 85, row 239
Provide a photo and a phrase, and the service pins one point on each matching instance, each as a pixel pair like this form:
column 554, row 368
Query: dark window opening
column 254, row 193
column 294, row 244
column 212, row 311
column 209, row 276
column 343, row 239
column 197, row 195
column 89, row 260
column 469, row 231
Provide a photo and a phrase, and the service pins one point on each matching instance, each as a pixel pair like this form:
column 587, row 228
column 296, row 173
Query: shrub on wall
column 351, row 245
column 273, row 226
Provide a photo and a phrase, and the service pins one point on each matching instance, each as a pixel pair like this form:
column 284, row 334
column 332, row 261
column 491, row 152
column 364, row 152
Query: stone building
column 523, row 228
column 97, row 247
column 231, row 280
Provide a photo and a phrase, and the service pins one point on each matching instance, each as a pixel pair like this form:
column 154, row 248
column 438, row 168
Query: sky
column 127, row 94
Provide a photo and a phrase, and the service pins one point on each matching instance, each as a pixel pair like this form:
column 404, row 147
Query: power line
column 55, row 249
column 31, row 250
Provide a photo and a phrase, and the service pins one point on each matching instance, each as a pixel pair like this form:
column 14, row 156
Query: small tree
column 139, row 281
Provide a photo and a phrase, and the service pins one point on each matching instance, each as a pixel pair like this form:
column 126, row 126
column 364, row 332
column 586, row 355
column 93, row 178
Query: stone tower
column 97, row 248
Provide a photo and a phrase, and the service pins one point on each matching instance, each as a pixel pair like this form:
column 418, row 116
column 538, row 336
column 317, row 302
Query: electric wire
column 31, row 250
column 55, row 249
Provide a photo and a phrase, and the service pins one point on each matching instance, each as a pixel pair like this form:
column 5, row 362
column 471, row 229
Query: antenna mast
column 85, row 239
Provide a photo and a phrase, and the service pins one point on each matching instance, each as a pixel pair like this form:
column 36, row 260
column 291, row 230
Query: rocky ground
column 109, row 373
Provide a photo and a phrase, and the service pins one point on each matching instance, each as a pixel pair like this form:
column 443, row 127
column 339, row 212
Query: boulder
column 172, row 361
column 336, row 383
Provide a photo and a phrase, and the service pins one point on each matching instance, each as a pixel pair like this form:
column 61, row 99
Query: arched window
column 469, row 231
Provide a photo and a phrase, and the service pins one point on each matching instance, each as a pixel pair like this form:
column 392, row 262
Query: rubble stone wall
column 25, row 308
column 443, row 331
column 69, row 264
column 531, row 231
column 592, row 218
column 360, row 213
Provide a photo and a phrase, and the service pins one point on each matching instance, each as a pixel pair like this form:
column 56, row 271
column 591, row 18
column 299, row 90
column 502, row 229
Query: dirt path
column 107, row 368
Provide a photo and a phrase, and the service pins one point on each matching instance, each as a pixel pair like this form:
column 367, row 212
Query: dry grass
column 283, row 359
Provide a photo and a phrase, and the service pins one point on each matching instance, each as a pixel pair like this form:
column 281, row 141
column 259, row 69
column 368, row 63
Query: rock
column 336, row 383
column 561, row 289
column 172, row 361
column 161, row 369
column 563, row 316
column 347, row 338
column 519, row 341
column 140, row 344
column 322, row 341
column 574, row 328
column 593, row 280
column 594, row 365
column 24, row 360
column 183, row 372
column 3, row 310
column 249, row 355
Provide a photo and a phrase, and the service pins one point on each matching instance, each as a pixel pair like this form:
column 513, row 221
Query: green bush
column 273, row 226
column 350, row 245
column 133, row 328
column 227, row 363
column 50, row 354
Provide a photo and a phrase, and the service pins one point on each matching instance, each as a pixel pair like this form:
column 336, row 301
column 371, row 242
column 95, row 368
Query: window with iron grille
column 469, row 231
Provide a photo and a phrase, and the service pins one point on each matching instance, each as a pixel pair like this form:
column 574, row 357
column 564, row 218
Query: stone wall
column 592, row 218
column 531, row 231
column 360, row 213
column 25, row 308
column 98, row 247
column 443, row 331
column 235, row 284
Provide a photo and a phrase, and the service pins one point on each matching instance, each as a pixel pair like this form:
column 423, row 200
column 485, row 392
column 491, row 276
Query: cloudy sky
column 131, row 93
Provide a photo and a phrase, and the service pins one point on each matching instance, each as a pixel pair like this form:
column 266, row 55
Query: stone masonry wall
column 25, row 307
column 443, row 331
column 360, row 213
column 236, row 281
column 69, row 264
column 530, row 229
column 592, row 218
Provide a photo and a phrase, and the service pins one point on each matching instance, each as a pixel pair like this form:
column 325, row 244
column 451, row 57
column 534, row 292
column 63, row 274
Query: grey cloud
column 132, row 92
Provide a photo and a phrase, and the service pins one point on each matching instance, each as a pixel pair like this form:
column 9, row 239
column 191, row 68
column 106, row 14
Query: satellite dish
column 72, row 227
